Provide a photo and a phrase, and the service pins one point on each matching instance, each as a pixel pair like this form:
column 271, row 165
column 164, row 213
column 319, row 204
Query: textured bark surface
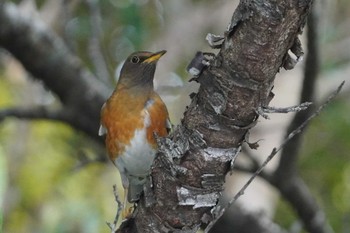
column 189, row 170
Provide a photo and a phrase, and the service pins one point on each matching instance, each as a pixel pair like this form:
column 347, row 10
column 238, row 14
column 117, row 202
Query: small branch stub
column 296, row 108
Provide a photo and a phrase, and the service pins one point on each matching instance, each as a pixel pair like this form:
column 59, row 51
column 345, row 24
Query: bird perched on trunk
column 130, row 118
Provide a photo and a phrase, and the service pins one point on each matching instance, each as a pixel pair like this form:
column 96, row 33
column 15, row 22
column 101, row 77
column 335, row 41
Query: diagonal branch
column 65, row 115
column 295, row 182
column 47, row 58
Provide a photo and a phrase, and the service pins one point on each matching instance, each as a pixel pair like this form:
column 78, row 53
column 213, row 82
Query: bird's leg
column 127, row 210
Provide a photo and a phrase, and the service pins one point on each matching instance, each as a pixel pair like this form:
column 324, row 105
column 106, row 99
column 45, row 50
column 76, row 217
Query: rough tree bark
column 189, row 171
column 192, row 163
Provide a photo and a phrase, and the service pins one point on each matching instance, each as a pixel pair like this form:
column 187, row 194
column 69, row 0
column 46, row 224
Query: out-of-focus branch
column 295, row 133
column 47, row 58
column 245, row 222
column 296, row 192
column 36, row 113
column 289, row 156
column 286, row 177
column 95, row 50
column 292, row 188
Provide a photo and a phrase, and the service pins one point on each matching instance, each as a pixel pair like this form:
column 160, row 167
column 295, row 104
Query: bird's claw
column 127, row 213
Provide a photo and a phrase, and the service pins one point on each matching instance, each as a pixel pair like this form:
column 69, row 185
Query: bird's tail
column 134, row 192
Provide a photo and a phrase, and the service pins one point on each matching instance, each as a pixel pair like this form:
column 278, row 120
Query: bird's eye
column 135, row 59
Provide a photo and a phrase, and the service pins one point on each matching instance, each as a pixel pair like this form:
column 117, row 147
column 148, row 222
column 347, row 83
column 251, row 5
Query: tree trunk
column 189, row 170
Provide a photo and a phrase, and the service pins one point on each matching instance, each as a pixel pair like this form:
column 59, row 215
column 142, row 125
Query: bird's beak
column 154, row 57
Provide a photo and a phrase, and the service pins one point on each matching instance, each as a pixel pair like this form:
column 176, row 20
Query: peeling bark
column 237, row 82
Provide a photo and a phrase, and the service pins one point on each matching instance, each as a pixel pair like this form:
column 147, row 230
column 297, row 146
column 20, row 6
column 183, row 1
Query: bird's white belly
column 138, row 156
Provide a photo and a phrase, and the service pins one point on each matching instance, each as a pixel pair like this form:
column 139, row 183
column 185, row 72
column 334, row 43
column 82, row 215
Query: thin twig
column 274, row 151
column 262, row 111
column 295, row 108
column 113, row 226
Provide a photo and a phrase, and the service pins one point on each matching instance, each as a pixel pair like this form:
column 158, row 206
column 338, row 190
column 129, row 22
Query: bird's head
column 138, row 69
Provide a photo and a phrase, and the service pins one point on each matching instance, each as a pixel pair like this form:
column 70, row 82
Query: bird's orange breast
column 124, row 113
column 159, row 118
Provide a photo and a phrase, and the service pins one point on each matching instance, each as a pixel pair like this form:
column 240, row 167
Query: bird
column 131, row 118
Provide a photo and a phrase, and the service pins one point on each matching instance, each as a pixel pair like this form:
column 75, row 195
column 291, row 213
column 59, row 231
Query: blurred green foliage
column 53, row 195
column 46, row 188
column 3, row 179
column 326, row 162
column 325, row 166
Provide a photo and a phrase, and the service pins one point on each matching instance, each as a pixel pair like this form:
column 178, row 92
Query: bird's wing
column 169, row 126
column 102, row 130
